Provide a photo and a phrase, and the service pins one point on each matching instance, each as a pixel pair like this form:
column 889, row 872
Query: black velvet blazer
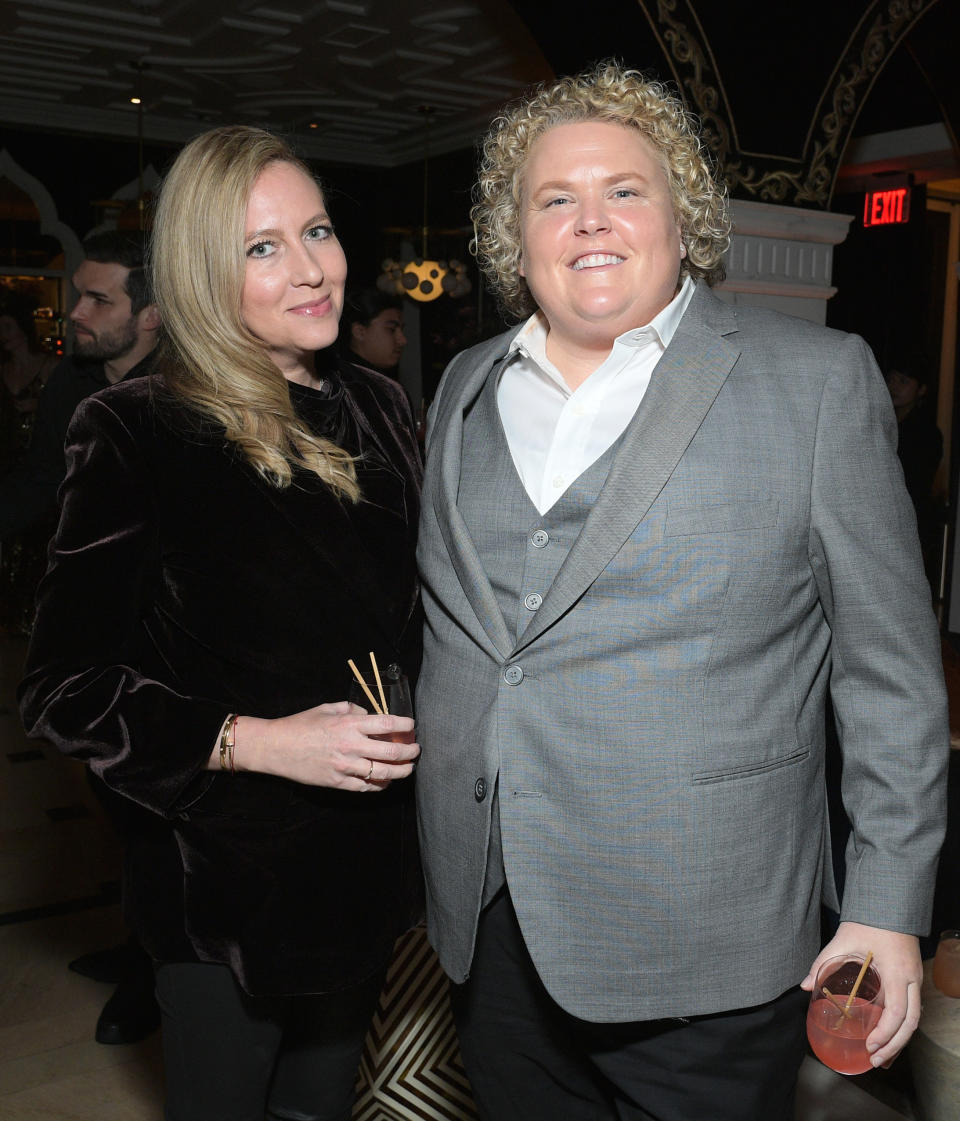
column 183, row 587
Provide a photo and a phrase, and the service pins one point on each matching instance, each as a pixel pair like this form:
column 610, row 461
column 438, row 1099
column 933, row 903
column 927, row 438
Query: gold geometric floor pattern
column 411, row 1068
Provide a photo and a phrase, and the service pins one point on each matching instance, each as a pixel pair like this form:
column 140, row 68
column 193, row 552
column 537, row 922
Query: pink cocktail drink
column 840, row 1041
column 845, row 1006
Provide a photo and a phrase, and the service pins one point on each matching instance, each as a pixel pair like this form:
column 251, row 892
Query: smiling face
column 295, row 270
column 601, row 245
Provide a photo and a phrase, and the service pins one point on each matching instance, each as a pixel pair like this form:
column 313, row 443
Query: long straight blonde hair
column 216, row 365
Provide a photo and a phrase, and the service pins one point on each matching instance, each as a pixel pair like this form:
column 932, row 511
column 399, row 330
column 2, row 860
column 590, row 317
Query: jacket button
column 532, row 601
column 513, row 675
column 480, row 789
column 539, row 538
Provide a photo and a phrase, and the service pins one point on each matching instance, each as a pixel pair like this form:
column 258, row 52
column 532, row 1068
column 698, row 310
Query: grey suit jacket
column 660, row 763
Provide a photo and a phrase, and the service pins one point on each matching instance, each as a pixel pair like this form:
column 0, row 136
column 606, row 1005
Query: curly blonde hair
column 606, row 92
column 216, row 365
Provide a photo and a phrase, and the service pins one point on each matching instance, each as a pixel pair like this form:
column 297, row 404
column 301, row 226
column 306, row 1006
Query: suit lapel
column 682, row 389
column 461, row 387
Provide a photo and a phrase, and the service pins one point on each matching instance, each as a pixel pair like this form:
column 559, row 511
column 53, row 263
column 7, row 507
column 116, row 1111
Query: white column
column 782, row 257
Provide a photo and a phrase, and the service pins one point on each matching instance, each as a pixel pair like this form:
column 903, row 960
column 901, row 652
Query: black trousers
column 231, row 1057
column 528, row 1060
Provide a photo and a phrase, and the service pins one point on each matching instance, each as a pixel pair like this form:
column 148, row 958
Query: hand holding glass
column 396, row 694
column 838, row 1026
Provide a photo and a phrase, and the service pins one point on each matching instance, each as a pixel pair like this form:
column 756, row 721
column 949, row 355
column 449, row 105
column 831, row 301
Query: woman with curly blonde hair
column 653, row 531
column 234, row 528
column 610, row 94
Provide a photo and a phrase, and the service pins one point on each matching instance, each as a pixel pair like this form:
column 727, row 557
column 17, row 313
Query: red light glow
column 886, row 208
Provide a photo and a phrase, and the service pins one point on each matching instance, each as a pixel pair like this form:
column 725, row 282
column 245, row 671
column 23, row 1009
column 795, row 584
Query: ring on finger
column 369, row 773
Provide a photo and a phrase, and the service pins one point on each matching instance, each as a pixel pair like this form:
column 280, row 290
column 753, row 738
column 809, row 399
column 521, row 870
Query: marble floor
column 58, row 899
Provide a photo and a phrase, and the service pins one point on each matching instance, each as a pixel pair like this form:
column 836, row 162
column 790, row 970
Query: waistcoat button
column 480, row 790
column 539, row 538
column 532, row 601
column 513, row 675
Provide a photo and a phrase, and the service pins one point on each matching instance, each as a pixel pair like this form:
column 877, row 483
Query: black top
column 198, row 590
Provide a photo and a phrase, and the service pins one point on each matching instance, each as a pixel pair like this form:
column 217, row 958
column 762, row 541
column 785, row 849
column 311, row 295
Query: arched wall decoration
column 149, row 183
column 685, row 47
column 50, row 224
column 809, row 180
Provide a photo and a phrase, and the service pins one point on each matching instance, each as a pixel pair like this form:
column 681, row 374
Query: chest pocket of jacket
column 728, row 517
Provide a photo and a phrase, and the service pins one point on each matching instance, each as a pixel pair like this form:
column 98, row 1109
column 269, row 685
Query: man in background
column 116, row 326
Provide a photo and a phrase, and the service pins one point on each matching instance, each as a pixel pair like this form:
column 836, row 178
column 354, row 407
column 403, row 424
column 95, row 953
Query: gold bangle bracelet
column 227, row 736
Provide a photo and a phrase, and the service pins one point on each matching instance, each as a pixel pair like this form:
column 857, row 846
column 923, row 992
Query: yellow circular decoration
column 422, row 280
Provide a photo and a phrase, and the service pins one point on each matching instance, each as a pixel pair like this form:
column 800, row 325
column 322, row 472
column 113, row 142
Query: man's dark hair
column 129, row 249
column 912, row 362
column 362, row 305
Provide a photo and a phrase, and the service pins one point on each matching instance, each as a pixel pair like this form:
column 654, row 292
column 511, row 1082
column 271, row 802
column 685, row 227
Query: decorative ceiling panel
column 348, row 79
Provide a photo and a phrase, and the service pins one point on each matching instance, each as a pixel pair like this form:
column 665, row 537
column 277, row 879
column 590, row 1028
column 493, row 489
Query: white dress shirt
column 555, row 433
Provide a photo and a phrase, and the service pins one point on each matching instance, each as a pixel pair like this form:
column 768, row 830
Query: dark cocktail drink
column 391, row 694
column 400, row 737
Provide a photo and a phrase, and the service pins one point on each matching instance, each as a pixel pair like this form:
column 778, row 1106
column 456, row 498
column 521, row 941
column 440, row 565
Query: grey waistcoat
column 521, row 549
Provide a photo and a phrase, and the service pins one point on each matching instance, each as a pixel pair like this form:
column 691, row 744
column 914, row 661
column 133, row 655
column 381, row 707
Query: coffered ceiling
column 349, row 78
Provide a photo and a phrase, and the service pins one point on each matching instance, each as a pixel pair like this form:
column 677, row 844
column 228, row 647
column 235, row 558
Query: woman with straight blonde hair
column 233, row 529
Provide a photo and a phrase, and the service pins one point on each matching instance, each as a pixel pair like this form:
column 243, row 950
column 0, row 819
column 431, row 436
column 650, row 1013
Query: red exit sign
column 886, row 208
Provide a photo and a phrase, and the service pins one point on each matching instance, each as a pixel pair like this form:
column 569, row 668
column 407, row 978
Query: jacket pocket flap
column 730, row 517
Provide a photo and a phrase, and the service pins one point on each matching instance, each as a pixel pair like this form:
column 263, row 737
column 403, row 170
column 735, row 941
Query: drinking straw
column 376, row 677
column 836, row 1003
column 363, row 686
column 856, row 984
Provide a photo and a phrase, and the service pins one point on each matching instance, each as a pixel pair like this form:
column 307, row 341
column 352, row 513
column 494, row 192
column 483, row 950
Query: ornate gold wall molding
column 810, row 180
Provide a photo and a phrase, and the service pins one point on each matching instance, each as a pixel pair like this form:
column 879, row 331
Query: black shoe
column 131, row 1014
column 109, row 966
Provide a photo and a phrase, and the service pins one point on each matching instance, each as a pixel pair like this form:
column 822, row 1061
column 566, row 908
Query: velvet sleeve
column 381, row 403
column 95, row 686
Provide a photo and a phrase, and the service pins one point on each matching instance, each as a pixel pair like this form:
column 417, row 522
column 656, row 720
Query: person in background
column 371, row 330
column 116, row 327
column 193, row 634
column 658, row 530
column 24, row 370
